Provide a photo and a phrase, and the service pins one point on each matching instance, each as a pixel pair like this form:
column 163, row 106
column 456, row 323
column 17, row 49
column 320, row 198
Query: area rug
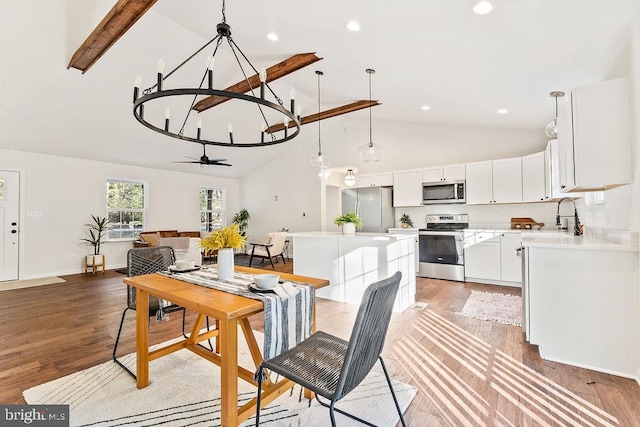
column 19, row 284
column 501, row 308
column 184, row 390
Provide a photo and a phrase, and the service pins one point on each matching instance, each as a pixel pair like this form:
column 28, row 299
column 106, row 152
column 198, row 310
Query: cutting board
column 525, row 224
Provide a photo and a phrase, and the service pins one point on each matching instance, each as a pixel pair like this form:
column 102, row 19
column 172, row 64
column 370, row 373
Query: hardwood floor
column 467, row 371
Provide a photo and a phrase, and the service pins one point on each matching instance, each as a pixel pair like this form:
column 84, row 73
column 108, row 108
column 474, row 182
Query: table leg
column 229, row 372
column 142, row 338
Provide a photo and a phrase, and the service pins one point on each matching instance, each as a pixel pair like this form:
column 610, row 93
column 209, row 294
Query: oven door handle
column 455, row 191
column 442, row 233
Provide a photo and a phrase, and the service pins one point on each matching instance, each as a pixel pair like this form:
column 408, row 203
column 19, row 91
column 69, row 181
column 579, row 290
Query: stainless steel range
column 441, row 247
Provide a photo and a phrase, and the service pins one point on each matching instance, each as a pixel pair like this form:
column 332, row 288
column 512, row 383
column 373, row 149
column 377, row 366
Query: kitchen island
column 351, row 262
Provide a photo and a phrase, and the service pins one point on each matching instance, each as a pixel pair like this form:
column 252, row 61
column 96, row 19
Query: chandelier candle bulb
column 160, row 71
column 137, row 82
column 167, row 116
column 263, row 79
column 292, row 95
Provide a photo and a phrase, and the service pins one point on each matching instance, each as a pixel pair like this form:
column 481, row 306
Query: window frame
column 223, row 210
column 143, row 210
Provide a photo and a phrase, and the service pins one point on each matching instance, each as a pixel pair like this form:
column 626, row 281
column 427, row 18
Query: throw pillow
column 151, row 238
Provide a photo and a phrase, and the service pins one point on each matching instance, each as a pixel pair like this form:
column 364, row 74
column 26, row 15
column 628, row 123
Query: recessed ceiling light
column 425, row 107
column 353, row 26
column 272, row 37
column 482, row 7
column 502, row 111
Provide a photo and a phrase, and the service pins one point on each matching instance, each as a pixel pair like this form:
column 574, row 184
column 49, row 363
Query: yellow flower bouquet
column 226, row 237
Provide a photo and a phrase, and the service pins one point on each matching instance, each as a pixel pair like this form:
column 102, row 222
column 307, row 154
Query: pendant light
column 552, row 128
column 370, row 152
column 320, row 160
column 350, row 178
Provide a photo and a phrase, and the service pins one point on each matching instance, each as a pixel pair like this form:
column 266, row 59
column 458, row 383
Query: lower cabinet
column 490, row 257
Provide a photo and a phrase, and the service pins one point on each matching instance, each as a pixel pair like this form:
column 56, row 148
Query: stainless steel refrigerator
column 373, row 204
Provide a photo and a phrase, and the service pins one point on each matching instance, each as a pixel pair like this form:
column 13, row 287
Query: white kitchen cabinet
column 444, row 173
column 552, row 173
column 482, row 259
column 407, row 188
column 479, row 183
column 490, row 257
column 534, row 179
column 497, row 181
column 384, row 179
column 510, row 263
column 593, row 135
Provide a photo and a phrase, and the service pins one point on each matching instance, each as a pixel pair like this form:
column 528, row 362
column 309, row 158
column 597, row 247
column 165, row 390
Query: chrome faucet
column 577, row 228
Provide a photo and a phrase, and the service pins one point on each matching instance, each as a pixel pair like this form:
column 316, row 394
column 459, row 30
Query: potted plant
column 225, row 240
column 405, row 221
column 95, row 232
column 242, row 218
column 349, row 222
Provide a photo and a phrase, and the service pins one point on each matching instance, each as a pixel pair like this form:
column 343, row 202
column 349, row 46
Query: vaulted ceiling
column 425, row 52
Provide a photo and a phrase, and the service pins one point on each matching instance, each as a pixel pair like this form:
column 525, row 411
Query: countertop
column 359, row 235
column 565, row 240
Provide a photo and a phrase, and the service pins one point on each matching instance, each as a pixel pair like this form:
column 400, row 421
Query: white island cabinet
column 351, row 262
column 581, row 302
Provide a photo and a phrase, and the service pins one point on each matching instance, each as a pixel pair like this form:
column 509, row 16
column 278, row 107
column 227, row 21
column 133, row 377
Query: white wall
column 68, row 190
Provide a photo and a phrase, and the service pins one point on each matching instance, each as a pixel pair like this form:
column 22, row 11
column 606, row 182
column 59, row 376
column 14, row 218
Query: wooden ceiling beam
column 120, row 18
column 274, row 72
column 344, row 109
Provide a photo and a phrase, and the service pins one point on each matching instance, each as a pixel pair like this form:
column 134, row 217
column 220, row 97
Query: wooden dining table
column 229, row 311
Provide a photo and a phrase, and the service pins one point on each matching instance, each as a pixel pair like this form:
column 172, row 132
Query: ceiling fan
column 204, row 160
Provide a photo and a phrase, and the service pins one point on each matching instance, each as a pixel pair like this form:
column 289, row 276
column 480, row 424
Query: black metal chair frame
column 145, row 261
column 332, row 367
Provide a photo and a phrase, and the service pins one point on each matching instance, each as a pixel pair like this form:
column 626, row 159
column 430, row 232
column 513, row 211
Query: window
column 126, row 208
column 212, row 208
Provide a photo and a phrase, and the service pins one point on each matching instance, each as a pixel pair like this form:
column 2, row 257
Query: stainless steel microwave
column 443, row 192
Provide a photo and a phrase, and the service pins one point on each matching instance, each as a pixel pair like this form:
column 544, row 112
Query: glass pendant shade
column 350, row 178
column 320, row 160
column 552, row 129
column 370, row 152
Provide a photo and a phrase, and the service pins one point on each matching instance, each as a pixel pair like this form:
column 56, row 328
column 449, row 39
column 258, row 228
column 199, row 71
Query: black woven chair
column 146, row 261
column 332, row 367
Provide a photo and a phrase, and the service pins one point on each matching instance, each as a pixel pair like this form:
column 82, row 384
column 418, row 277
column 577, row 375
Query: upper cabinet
column 593, row 137
column 444, row 173
column 384, row 179
column 497, row 181
column 407, row 188
column 534, row 178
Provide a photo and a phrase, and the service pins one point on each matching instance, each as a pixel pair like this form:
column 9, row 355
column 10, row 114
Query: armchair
column 271, row 247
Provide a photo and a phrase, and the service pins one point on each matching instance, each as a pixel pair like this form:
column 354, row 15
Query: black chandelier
column 158, row 91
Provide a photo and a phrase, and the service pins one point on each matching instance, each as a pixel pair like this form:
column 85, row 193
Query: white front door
column 9, row 214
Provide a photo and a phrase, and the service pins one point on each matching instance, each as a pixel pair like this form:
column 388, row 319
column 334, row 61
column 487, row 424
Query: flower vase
column 225, row 263
column 348, row 228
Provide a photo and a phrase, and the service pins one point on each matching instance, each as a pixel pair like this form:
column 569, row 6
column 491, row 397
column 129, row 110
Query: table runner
column 287, row 321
